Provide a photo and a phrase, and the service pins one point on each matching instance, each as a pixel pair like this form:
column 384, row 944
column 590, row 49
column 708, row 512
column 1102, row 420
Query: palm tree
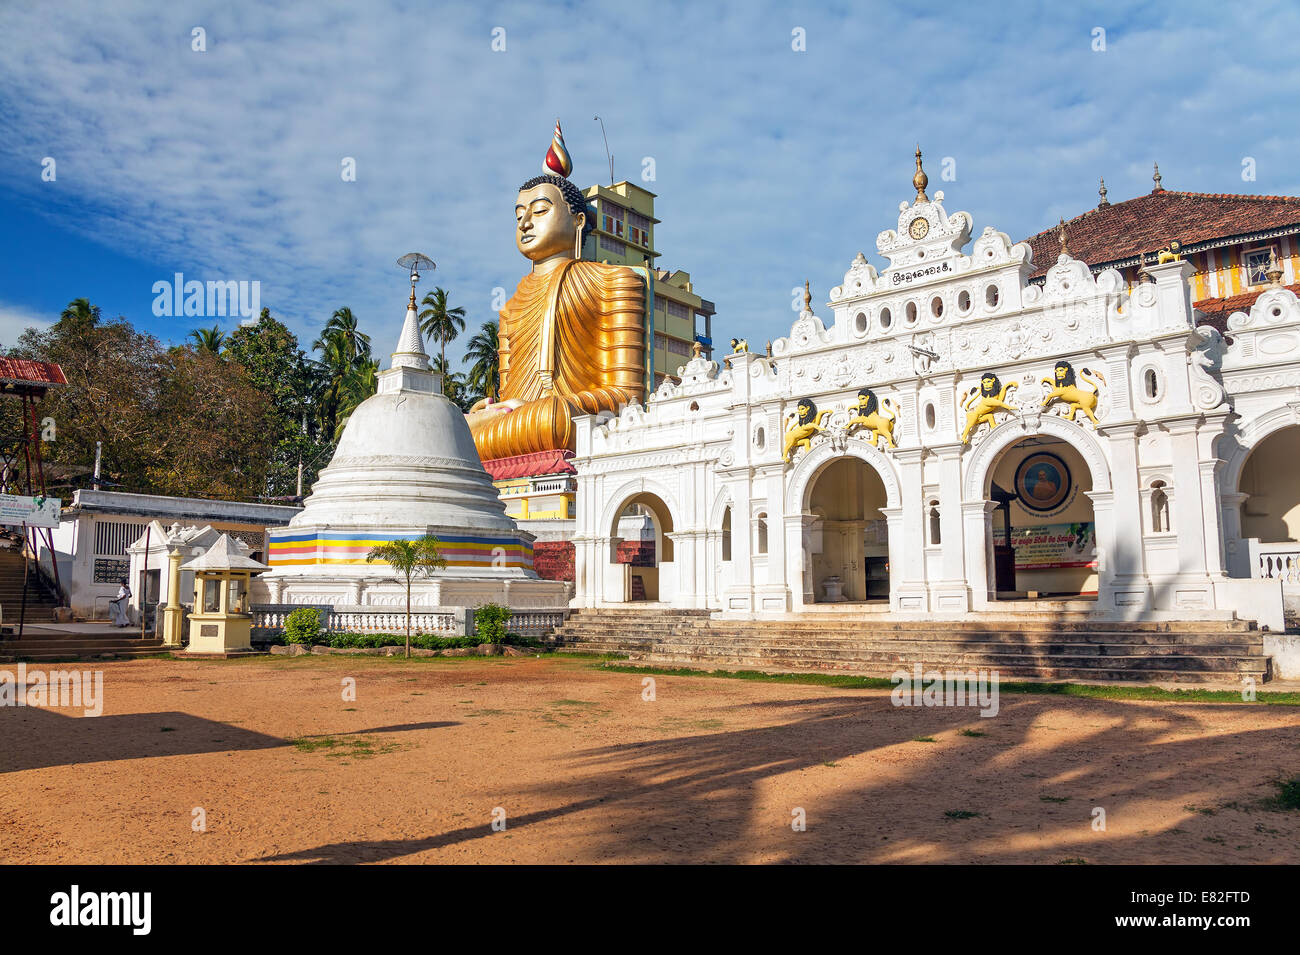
column 408, row 558
column 361, row 381
column 342, row 327
column 485, row 372
column 209, row 339
column 440, row 323
column 343, row 348
column 81, row 314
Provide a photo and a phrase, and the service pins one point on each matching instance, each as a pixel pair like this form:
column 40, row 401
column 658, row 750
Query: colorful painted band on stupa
column 300, row 548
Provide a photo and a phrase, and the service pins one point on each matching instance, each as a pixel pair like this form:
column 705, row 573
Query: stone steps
column 79, row 647
column 1250, row 641
column 1147, row 651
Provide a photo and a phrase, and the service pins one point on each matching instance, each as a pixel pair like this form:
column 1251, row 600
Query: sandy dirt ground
column 585, row 770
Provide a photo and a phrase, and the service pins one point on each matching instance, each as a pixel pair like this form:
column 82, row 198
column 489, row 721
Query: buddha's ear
column 581, row 219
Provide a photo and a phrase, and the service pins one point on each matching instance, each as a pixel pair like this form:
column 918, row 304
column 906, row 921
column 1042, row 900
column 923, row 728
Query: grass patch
column 972, row 733
column 1075, row 860
column 849, row 682
column 924, row 739
column 352, row 747
column 167, row 729
column 1054, row 798
column 1203, row 810
column 1288, row 795
column 960, row 814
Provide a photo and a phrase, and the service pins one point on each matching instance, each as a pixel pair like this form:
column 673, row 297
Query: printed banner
column 33, row 511
column 1052, row 546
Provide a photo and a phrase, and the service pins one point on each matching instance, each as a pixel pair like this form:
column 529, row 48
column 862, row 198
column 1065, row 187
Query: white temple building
column 405, row 466
column 1141, row 461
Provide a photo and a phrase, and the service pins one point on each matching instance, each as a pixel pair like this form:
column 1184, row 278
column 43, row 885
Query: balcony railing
column 1276, row 562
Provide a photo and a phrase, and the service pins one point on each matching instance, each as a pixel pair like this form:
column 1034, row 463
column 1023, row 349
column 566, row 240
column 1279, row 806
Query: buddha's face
column 544, row 226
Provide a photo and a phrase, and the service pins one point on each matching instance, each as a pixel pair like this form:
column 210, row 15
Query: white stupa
column 405, row 466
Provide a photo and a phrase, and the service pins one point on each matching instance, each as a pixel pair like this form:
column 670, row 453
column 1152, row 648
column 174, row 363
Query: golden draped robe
column 571, row 342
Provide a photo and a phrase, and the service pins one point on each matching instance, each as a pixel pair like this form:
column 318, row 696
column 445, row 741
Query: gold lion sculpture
column 807, row 423
column 739, row 346
column 984, row 402
column 1065, row 389
column 869, row 417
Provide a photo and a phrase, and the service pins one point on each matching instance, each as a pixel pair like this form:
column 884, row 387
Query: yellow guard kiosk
column 220, row 622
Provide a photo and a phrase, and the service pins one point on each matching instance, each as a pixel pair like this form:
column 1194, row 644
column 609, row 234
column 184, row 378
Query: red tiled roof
column 20, row 371
column 530, row 465
column 1148, row 223
column 1217, row 310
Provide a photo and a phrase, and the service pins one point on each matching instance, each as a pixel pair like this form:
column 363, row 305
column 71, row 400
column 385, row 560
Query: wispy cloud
column 772, row 165
column 16, row 319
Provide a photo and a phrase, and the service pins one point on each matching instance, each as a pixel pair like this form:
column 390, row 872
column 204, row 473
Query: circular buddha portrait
column 1042, row 482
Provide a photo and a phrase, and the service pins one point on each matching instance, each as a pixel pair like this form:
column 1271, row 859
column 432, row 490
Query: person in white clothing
column 118, row 605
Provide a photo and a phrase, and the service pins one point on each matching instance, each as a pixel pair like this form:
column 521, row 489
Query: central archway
column 847, row 543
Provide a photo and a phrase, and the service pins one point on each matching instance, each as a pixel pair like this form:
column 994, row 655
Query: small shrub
column 302, row 626
column 490, row 623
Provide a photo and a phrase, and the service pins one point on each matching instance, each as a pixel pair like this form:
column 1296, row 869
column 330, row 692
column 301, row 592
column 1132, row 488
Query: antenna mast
column 608, row 154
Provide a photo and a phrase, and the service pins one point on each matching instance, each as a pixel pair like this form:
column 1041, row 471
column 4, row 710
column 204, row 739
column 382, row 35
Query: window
column 929, row 415
column 638, row 228
column 726, row 533
column 910, row 312
column 612, row 245
column 860, row 323
column 676, row 309
column 1151, row 384
column 211, row 595
column 235, row 598
column 760, row 438
column 1257, row 263
column 760, row 533
column 963, row 301
column 936, row 307
column 1159, row 507
column 886, row 318
column 992, row 296
column 935, row 532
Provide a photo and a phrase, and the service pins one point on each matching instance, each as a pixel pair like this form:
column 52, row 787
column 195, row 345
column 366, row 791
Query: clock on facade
column 919, row 228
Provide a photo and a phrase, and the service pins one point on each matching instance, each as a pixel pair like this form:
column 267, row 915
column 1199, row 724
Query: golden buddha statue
column 572, row 337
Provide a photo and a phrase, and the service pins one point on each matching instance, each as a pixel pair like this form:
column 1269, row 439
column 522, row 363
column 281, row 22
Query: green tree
column 455, row 385
column 485, row 368
column 439, row 323
column 80, row 316
column 343, row 348
column 361, row 382
column 409, row 558
column 209, row 340
column 269, row 353
column 342, row 327
column 171, row 421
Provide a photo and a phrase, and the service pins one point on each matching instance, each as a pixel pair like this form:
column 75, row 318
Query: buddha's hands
column 482, row 411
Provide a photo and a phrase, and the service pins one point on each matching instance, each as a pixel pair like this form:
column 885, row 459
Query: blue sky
column 771, row 165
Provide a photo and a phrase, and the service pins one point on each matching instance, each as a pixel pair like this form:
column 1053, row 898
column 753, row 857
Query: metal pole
column 22, row 613
column 144, row 584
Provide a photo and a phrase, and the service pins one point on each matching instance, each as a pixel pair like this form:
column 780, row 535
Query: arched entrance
column 1042, row 532
column 639, row 545
column 846, row 543
column 1269, row 489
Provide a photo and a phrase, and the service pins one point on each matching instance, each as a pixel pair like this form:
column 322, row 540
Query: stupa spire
column 410, row 351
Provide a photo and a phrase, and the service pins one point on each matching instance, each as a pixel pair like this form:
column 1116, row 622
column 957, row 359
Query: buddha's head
column 549, row 214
